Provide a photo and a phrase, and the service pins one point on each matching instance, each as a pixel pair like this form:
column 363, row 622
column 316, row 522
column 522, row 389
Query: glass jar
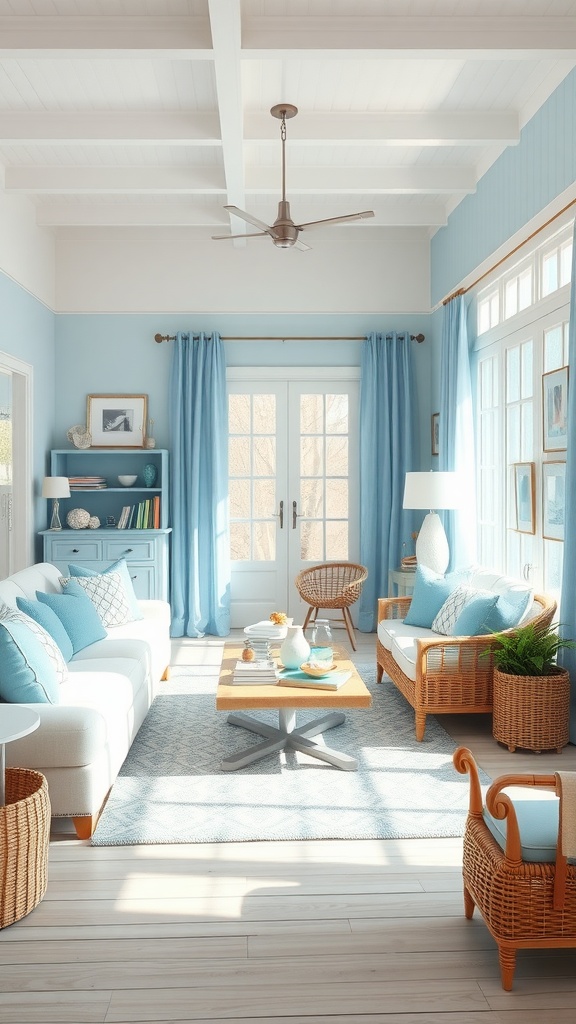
column 321, row 649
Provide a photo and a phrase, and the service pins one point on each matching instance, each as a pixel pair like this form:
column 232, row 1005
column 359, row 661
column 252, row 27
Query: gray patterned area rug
column 171, row 789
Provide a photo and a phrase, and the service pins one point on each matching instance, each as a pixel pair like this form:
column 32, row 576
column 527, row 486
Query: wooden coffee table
column 288, row 700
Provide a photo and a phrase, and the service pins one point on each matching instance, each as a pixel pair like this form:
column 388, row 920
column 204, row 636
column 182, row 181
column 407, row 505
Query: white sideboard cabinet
column 146, row 550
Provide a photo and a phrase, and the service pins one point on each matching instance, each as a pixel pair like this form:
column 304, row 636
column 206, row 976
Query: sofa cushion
column 464, row 612
column 430, row 592
column 32, row 668
column 47, row 618
column 106, row 593
column 120, row 566
column 537, row 822
column 77, row 614
column 389, row 629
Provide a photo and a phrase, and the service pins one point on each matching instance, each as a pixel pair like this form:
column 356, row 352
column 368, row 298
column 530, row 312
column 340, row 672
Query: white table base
column 288, row 737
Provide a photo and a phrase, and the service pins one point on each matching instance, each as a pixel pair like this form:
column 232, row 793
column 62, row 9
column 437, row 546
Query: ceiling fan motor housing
column 285, row 232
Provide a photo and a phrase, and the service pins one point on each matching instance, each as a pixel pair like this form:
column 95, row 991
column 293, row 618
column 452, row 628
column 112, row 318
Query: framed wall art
column 553, row 490
column 555, row 410
column 117, row 421
column 525, row 498
column 435, row 429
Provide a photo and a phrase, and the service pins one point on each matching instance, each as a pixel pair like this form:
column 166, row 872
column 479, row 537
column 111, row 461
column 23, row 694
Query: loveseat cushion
column 389, row 629
column 537, row 823
column 78, row 616
column 430, row 592
column 119, row 566
column 32, row 668
column 47, row 618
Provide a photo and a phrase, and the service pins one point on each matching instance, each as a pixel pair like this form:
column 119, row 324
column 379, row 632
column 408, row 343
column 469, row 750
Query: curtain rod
column 462, row 291
column 159, row 338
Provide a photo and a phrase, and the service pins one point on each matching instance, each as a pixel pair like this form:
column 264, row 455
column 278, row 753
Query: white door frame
column 21, row 553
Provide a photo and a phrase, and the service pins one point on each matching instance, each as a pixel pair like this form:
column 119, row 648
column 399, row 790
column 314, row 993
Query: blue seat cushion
column 538, row 825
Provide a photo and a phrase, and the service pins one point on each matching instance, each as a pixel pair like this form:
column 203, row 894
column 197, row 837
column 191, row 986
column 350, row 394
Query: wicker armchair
column 332, row 585
column 525, row 904
column 453, row 674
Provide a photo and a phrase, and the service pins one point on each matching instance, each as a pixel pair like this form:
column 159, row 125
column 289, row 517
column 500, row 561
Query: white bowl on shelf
column 127, row 481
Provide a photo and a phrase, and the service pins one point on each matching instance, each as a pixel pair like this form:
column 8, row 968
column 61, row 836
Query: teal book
column 295, row 677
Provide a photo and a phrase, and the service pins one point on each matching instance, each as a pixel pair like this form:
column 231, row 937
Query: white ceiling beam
column 109, row 128
column 209, row 180
column 492, row 38
column 402, row 128
column 170, row 214
column 226, row 31
column 175, row 38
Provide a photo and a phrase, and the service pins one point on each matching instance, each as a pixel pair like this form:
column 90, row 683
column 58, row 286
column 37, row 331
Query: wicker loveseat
column 442, row 674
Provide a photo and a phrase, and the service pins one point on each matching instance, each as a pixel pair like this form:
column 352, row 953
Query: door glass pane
column 239, row 414
column 264, row 414
column 312, row 498
column 553, row 349
column 264, row 449
column 239, row 456
column 336, row 414
column 312, row 414
column 337, row 499
column 337, row 456
column 336, row 541
column 239, row 499
column 311, row 456
column 311, row 542
column 264, row 497
column 264, row 542
column 239, row 541
column 512, row 375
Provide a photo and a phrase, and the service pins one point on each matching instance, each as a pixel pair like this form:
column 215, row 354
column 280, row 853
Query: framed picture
column 553, row 489
column 435, row 433
column 117, row 421
column 555, row 410
column 524, row 493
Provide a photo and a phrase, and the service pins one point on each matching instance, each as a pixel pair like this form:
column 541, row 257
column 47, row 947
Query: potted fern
column 531, row 691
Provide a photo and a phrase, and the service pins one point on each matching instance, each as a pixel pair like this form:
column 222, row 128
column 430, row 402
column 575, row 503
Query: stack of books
column 252, row 673
column 87, row 483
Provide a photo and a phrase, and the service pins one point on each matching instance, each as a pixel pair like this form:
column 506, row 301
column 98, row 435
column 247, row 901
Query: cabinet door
column 143, row 580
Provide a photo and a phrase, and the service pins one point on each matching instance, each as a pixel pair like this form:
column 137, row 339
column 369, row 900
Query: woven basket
column 24, row 841
column 531, row 711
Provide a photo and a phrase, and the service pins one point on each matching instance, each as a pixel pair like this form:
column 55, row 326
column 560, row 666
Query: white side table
column 401, row 582
column 15, row 721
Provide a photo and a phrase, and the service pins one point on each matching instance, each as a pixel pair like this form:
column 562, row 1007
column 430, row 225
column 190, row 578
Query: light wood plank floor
column 369, row 932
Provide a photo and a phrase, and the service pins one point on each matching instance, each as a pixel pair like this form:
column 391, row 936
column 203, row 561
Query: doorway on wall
column 15, row 465
column 294, row 487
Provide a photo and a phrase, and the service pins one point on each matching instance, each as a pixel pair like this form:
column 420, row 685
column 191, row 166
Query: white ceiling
column 156, row 112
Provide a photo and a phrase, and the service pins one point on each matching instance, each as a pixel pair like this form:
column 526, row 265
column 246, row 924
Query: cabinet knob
column 75, row 551
column 134, row 577
column 128, row 551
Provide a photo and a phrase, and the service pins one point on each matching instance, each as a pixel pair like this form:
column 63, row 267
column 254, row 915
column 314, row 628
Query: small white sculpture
column 93, row 523
column 78, row 518
column 80, row 436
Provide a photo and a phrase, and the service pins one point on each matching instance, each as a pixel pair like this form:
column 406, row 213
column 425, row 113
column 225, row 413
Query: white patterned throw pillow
column 107, row 594
column 32, row 667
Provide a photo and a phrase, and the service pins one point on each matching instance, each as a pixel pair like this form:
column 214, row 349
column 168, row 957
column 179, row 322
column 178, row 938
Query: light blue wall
column 27, row 331
column 521, row 183
column 117, row 354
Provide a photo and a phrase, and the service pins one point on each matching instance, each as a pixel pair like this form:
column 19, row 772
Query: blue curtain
column 456, row 431
column 200, row 558
column 567, row 658
column 386, row 454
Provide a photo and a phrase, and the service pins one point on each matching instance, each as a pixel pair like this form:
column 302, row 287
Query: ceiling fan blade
column 251, row 234
column 237, row 212
column 337, row 220
column 301, row 245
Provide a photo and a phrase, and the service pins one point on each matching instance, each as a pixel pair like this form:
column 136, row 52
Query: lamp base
column 55, row 523
column 432, row 544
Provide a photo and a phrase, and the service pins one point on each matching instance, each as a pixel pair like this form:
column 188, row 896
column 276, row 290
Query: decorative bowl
column 317, row 671
column 127, row 481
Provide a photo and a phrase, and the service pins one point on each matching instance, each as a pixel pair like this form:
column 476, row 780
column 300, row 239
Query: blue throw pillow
column 121, row 567
column 31, row 665
column 430, row 592
column 48, row 619
column 77, row 614
column 472, row 619
column 508, row 610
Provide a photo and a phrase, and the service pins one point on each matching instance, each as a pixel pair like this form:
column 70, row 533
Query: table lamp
column 55, row 487
column 432, row 491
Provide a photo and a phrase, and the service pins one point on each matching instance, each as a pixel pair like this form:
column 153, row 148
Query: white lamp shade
column 433, row 490
column 56, row 487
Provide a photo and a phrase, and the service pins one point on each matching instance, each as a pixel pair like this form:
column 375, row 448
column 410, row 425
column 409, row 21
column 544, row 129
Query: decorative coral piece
column 279, row 618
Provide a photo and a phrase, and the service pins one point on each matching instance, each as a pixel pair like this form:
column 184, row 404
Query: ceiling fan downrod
column 285, row 234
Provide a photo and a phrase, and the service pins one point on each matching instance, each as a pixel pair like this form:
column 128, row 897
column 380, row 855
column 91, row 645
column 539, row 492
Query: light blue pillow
column 49, row 621
column 121, row 567
column 430, row 592
column 472, row 619
column 31, row 664
column 77, row 614
column 508, row 610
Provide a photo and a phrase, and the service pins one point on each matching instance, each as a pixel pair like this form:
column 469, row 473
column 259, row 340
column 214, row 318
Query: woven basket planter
column 24, row 841
column 531, row 711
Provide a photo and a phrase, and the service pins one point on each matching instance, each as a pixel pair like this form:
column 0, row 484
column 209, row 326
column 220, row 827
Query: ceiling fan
column 284, row 232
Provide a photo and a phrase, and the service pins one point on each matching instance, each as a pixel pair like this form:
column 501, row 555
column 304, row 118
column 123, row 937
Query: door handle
column 280, row 515
column 295, row 514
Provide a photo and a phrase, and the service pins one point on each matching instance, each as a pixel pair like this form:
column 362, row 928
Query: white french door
column 293, row 464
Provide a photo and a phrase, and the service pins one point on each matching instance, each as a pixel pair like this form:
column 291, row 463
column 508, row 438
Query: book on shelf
column 295, row 677
column 248, row 673
column 123, row 518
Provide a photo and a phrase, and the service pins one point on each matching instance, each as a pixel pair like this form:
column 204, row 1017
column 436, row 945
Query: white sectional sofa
column 84, row 738
column 449, row 670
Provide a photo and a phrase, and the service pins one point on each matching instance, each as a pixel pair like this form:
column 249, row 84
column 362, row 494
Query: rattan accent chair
column 525, row 904
column 332, row 585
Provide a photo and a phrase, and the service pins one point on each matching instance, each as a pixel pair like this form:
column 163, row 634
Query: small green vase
column 150, row 474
